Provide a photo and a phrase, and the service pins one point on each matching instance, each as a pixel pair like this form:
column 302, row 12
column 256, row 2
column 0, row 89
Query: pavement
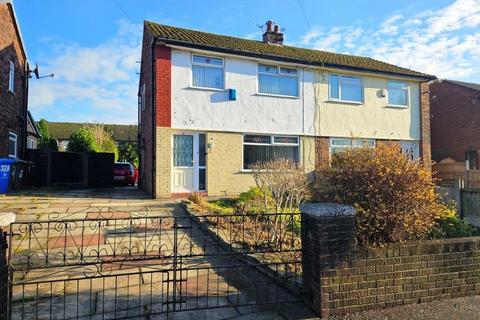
column 132, row 289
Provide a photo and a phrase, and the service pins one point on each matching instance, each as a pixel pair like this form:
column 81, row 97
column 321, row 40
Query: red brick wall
column 425, row 143
column 163, row 93
column 12, row 105
column 322, row 152
column 156, row 69
column 145, row 117
column 455, row 120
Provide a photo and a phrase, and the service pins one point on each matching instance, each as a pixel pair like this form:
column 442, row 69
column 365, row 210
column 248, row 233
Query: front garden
column 394, row 197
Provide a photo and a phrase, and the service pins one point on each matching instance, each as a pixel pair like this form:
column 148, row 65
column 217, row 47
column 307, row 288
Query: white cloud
column 98, row 83
column 445, row 42
column 389, row 26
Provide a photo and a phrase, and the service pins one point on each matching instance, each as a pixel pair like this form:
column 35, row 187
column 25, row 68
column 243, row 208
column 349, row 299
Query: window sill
column 206, row 89
column 346, row 102
column 276, row 95
column 396, row 106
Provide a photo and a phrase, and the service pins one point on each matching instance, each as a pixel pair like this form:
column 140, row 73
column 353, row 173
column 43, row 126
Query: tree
column 128, row 152
column 46, row 141
column 92, row 138
column 395, row 197
column 83, row 140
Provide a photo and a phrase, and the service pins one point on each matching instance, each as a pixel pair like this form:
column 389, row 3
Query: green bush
column 92, row 138
column 253, row 201
column 83, row 140
column 453, row 227
column 128, row 152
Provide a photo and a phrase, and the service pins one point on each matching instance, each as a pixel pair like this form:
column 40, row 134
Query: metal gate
column 119, row 268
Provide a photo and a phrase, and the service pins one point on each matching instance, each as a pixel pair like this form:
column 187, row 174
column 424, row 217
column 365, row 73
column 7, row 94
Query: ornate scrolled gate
column 139, row 266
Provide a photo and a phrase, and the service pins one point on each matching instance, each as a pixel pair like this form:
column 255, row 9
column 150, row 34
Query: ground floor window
column 411, row 149
column 12, row 144
column 31, row 143
column 341, row 144
column 264, row 148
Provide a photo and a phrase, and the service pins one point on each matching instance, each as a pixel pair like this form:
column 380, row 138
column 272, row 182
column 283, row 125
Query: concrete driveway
column 133, row 278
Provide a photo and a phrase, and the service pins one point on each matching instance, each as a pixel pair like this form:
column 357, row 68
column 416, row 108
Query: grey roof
column 222, row 43
column 474, row 86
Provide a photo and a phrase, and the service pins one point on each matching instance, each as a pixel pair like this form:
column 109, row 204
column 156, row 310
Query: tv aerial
column 36, row 72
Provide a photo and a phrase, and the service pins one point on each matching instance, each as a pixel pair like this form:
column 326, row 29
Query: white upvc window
column 345, row 88
column 276, row 80
column 207, row 72
column 12, row 144
column 411, row 149
column 397, row 92
column 31, row 143
column 341, row 144
column 263, row 148
column 11, row 77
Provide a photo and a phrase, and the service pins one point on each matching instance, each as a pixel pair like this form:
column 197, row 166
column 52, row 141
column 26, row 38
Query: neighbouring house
column 14, row 72
column 121, row 133
column 211, row 105
column 455, row 121
column 33, row 134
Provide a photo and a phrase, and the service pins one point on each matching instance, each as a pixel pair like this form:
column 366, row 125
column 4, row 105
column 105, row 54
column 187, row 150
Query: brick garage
column 342, row 278
column 13, row 105
column 455, row 119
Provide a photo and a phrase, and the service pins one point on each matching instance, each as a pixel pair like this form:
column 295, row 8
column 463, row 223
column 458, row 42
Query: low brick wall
column 341, row 277
column 403, row 274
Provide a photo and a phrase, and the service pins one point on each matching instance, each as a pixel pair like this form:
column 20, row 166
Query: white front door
column 188, row 162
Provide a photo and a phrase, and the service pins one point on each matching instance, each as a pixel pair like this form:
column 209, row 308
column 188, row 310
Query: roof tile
column 253, row 47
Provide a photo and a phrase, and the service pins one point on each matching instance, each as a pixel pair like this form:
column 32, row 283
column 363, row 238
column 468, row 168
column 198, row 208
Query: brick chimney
column 273, row 35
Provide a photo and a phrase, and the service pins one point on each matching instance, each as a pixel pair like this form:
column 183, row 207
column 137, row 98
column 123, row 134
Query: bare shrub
column 395, row 197
column 284, row 185
column 282, row 181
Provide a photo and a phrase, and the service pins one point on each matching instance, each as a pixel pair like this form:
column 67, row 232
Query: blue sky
column 93, row 46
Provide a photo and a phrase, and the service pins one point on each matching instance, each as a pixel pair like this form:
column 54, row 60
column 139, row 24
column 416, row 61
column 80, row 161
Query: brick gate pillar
column 328, row 235
column 3, row 276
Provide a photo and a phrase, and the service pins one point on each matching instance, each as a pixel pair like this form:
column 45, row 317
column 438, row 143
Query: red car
column 125, row 173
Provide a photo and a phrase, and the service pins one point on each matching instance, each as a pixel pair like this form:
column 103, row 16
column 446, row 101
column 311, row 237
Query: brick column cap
column 327, row 209
column 6, row 218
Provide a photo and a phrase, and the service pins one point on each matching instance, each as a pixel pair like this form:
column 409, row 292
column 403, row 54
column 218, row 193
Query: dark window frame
column 268, row 147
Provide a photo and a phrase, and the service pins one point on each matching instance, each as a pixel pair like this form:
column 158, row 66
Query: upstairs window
column 11, row 77
column 12, row 145
column 277, row 80
column 397, row 93
column 262, row 148
column 346, row 88
column 207, row 72
column 340, row 144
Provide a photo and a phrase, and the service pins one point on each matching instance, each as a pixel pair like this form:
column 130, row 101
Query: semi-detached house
column 211, row 105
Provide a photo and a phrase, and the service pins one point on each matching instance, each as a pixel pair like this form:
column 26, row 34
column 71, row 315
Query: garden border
column 261, row 266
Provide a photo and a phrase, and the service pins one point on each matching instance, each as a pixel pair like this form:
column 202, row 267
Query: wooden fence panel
column 100, row 170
